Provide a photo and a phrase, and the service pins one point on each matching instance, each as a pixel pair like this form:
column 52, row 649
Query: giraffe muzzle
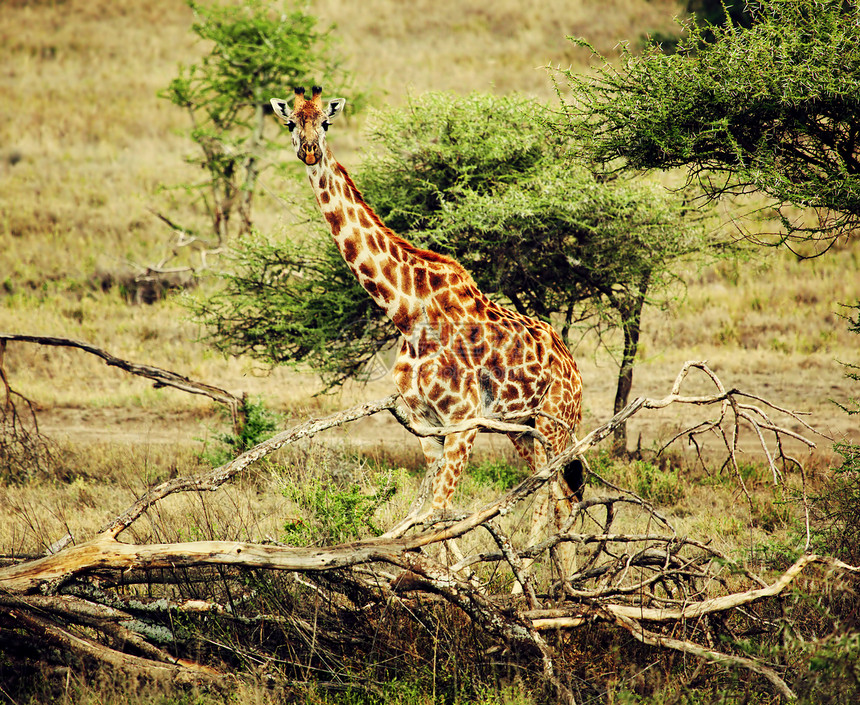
column 310, row 154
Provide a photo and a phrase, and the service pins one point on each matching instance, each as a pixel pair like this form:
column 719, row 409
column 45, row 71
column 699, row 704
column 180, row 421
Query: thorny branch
column 670, row 582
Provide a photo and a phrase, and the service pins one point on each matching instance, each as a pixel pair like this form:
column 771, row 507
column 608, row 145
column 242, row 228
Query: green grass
column 329, row 514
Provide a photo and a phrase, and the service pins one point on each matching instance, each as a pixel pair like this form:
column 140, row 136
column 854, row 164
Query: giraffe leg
column 565, row 485
column 433, row 447
column 455, row 455
column 535, row 456
column 561, row 510
column 552, row 505
column 446, row 458
column 540, row 515
column 433, row 452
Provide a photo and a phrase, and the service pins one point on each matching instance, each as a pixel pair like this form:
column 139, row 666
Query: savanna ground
column 86, row 148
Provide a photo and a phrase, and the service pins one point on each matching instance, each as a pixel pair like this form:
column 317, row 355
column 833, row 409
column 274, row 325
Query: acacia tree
column 480, row 178
column 476, row 177
column 772, row 109
column 255, row 49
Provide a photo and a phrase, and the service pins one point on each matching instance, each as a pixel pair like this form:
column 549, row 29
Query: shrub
column 331, row 515
column 498, row 474
column 258, row 424
column 661, row 486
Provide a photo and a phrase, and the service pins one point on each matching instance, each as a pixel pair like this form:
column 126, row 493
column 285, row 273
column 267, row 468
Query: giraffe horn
column 300, row 97
column 316, row 93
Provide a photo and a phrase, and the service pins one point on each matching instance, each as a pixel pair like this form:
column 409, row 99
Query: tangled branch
column 673, row 584
column 22, row 445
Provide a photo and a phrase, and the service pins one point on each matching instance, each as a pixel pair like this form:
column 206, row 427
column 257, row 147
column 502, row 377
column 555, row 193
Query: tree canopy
column 774, row 108
column 489, row 181
column 486, row 180
column 297, row 303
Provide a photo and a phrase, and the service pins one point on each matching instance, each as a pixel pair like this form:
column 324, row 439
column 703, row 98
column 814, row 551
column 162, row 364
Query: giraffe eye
column 291, row 125
column 325, row 125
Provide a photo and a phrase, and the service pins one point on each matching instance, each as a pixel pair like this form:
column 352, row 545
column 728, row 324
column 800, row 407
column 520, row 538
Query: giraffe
column 463, row 356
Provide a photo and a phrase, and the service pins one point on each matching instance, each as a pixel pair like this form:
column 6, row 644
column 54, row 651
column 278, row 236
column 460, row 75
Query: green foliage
column 776, row 554
column 295, row 304
column 601, row 462
column 708, row 13
column 770, row 514
column 257, row 424
column 833, row 673
column 406, row 692
column 256, row 50
column 738, row 13
column 441, row 146
column 486, row 180
column 660, row 486
column 498, row 474
column 332, row 514
column 772, row 108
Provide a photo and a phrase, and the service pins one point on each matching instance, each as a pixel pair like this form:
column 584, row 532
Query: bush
column 332, row 515
column 258, row 424
column 498, row 474
column 660, row 486
column 771, row 108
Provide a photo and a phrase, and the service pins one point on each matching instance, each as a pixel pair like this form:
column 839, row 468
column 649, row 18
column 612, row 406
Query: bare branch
column 22, row 445
column 653, row 639
column 161, row 377
column 212, row 480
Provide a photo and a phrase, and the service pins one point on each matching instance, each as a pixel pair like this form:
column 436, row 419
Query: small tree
column 773, row 109
column 255, row 49
column 479, row 178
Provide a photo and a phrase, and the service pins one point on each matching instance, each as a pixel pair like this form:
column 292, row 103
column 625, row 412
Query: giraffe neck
column 380, row 260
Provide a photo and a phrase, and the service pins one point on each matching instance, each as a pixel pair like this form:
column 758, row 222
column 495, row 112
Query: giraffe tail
column 574, row 475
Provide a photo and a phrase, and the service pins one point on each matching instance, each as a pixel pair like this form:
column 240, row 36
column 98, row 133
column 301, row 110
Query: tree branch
column 161, row 377
column 628, row 578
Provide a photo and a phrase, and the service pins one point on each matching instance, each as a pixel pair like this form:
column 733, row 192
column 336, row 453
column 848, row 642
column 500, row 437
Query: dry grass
column 464, row 46
column 84, row 139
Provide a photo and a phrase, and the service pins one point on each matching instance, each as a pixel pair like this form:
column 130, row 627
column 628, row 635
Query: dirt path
column 142, row 426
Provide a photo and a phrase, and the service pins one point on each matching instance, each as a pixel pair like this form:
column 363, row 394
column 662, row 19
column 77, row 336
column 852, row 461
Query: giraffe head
column 308, row 122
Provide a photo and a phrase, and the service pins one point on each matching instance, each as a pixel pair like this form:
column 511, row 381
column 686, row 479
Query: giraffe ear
column 281, row 108
column 335, row 105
